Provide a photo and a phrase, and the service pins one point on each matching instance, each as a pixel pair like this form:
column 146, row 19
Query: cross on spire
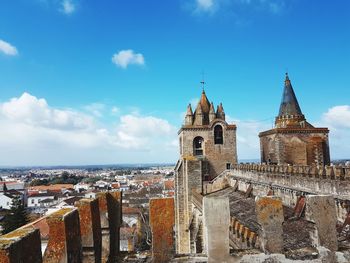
column 202, row 82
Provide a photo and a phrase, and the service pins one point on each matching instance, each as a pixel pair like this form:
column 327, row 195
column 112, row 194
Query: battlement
column 75, row 234
column 321, row 172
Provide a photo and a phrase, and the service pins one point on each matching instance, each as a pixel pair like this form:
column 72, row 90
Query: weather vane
column 202, row 82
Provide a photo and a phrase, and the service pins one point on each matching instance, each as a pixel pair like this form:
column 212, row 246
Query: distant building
column 293, row 140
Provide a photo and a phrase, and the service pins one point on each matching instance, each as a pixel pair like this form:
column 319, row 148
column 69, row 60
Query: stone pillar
column 320, row 209
column 269, row 212
column 110, row 204
column 64, row 243
column 162, row 220
column 90, row 229
column 21, row 245
column 216, row 222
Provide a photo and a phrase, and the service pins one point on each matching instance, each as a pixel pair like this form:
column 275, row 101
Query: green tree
column 16, row 217
column 4, row 187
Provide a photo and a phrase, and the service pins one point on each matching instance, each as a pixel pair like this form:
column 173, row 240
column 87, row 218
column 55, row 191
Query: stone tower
column 207, row 148
column 294, row 140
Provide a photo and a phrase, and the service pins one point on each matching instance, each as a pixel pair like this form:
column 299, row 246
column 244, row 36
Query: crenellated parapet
column 323, row 172
column 71, row 234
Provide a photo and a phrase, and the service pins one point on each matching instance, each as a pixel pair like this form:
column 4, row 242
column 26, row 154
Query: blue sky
column 108, row 81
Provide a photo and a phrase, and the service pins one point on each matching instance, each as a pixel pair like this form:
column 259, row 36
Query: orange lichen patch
column 162, row 219
column 84, row 209
column 268, row 207
column 4, row 256
column 102, row 201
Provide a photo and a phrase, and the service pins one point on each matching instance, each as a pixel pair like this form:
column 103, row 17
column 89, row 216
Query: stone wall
column 296, row 147
column 67, row 232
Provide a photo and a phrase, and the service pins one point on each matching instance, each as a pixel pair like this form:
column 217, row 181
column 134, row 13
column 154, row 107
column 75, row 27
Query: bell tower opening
column 218, row 135
column 198, row 146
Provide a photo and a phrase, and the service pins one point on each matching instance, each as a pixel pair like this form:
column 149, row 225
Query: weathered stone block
column 64, row 243
column 216, row 216
column 162, row 220
column 321, row 210
column 90, row 229
column 21, row 245
column 269, row 212
column 110, row 205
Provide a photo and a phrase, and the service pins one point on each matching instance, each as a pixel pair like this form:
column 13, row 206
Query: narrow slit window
column 218, row 135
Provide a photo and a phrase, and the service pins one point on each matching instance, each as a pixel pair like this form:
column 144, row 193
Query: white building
column 5, row 200
column 35, row 199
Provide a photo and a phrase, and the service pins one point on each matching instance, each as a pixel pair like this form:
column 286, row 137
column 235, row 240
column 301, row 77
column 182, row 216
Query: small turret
column 220, row 113
column 189, row 115
column 198, row 115
column 212, row 114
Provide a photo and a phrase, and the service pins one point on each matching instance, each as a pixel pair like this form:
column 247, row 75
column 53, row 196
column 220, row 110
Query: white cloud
column 235, row 7
column 68, row 7
column 115, row 110
column 337, row 119
column 96, row 109
column 7, row 48
column 205, row 5
column 248, row 144
column 124, row 58
column 35, row 133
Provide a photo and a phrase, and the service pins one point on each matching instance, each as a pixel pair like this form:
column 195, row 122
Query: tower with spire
column 293, row 140
column 207, row 148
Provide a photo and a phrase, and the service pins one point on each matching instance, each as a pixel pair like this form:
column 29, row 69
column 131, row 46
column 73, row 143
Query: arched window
column 218, row 137
column 198, row 144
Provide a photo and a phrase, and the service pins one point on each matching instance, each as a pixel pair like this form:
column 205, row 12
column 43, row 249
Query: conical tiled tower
column 294, row 140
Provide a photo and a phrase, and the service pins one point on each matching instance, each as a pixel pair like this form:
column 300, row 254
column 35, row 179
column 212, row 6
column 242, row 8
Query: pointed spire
column 220, row 113
column 204, row 102
column 189, row 110
column 189, row 115
column 289, row 104
column 212, row 114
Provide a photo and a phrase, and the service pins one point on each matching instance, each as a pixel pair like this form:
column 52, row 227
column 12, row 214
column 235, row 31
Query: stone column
column 216, row 222
column 110, row 205
column 64, row 243
column 320, row 209
column 90, row 229
column 269, row 212
column 162, row 220
column 21, row 245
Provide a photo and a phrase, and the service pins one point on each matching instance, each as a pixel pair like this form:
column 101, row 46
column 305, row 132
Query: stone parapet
column 68, row 235
column 64, row 244
column 322, row 172
column 90, row 229
column 21, row 245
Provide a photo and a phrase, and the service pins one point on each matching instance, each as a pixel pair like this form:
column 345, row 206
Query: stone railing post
column 269, row 212
column 90, row 229
column 64, row 243
column 321, row 210
column 162, row 220
column 216, row 217
column 21, row 245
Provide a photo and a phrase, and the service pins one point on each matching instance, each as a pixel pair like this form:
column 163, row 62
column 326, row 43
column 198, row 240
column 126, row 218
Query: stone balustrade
column 71, row 234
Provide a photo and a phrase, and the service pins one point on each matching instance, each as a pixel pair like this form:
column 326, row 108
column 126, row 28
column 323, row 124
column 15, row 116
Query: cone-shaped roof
column 289, row 103
column 212, row 111
column 204, row 102
column 220, row 108
column 189, row 110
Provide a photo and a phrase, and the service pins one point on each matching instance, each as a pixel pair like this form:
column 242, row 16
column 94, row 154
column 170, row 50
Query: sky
column 108, row 82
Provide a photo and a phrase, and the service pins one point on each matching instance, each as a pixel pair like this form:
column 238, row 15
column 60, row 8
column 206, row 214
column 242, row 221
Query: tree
column 4, row 188
column 16, row 217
